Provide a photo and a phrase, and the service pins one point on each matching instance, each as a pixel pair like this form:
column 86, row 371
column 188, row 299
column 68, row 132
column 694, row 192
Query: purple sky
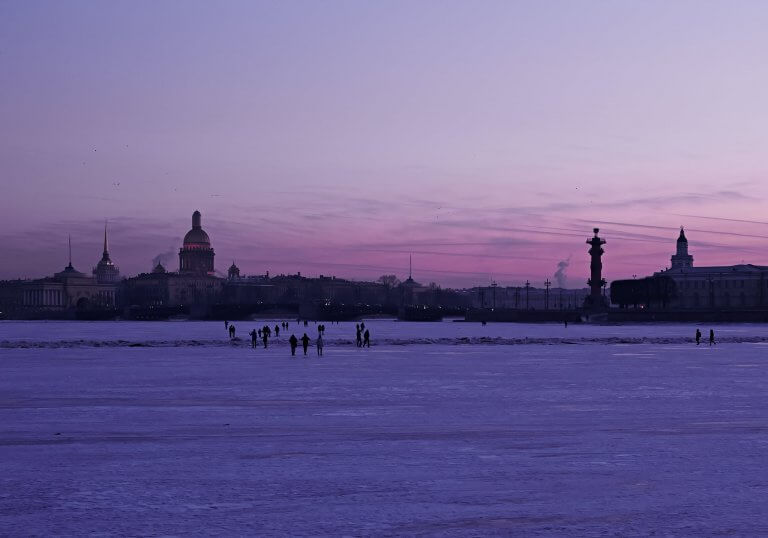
column 487, row 138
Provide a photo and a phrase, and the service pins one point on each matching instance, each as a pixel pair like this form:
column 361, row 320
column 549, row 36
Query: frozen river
column 523, row 429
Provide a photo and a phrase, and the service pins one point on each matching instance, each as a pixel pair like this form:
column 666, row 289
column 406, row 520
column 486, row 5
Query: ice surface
column 588, row 439
column 388, row 332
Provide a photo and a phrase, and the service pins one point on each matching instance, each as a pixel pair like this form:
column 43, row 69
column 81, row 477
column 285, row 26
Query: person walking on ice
column 232, row 332
column 264, row 338
column 367, row 339
column 698, row 337
column 254, row 338
column 712, row 337
column 294, row 343
column 319, row 343
column 305, row 343
column 359, row 337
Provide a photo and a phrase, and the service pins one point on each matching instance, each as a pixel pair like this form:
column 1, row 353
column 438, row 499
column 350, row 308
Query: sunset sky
column 336, row 137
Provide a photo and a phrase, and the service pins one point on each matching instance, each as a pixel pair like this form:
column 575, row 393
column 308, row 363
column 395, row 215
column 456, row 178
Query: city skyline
column 170, row 261
column 313, row 140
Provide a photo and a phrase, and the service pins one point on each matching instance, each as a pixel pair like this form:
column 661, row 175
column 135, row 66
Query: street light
column 527, row 289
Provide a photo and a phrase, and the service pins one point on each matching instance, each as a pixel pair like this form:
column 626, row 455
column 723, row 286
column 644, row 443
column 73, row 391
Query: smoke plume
column 164, row 258
column 560, row 274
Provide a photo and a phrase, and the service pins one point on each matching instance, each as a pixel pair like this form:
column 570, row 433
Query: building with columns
column 67, row 290
column 196, row 254
column 195, row 285
column 105, row 271
column 740, row 286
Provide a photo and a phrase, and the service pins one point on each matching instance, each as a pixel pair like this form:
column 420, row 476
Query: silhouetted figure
column 294, row 342
column 367, row 339
column 319, row 345
column 265, row 339
column 362, row 326
column 306, row 323
column 305, row 343
column 259, row 333
column 698, row 337
column 231, row 331
column 359, row 338
column 712, row 337
column 566, row 323
column 226, row 325
column 484, row 323
column 254, row 338
column 277, row 331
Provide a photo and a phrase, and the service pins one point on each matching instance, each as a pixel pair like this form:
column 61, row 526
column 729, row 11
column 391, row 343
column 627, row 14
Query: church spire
column 106, row 249
column 69, row 240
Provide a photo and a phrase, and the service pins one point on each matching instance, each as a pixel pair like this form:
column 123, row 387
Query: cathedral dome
column 196, row 255
column 70, row 272
column 196, row 237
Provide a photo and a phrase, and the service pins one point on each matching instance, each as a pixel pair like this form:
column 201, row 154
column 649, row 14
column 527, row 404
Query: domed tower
column 196, row 255
column 234, row 271
column 681, row 259
column 69, row 271
column 105, row 271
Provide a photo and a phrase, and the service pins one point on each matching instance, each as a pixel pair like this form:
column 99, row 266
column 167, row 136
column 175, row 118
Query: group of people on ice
column 711, row 337
column 363, row 337
column 294, row 342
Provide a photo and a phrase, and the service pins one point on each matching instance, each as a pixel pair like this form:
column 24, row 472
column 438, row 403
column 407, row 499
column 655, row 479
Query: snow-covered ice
column 588, row 430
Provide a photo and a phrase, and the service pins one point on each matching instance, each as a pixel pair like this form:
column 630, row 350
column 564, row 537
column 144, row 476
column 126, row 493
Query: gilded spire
column 106, row 249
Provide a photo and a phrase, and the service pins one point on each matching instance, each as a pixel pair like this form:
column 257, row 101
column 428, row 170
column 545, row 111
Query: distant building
column 681, row 259
column 194, row 286
column 196, row 254
column 233, row 272
column 163, row 289
column 715, row 287
column 66, row 291
column 105, row 271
